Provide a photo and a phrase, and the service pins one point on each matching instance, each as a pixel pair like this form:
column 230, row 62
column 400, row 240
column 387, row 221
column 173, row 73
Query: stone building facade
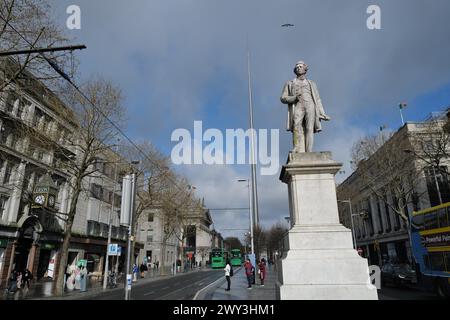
column 379, row 232
column 31, row 236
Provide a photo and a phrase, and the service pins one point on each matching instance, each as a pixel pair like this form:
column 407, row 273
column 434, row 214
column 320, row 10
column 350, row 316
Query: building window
column 441, row 175
column 387, row 215
column 150, row 217
column 94, row 228
column 3, row 201
column 380, row 218
column 96, row 191
column 7, row 176
column 370, row 218
column 396, row 217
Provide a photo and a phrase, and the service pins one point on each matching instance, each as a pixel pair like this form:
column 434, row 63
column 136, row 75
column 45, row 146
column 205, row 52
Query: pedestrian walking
column 262, row 271
column 27, row 277
column 228, row 274
column 249, row 269
column 143, row 269
column 83, row 279
column 135, row 272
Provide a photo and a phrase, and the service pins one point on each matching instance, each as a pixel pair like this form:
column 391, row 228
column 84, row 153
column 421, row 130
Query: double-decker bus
column 430, row 237
column 236, row 258
column 217, row 258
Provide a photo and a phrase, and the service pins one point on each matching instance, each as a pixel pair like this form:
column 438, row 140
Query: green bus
column 430, row 237
column 217, row 258
column 236, row 257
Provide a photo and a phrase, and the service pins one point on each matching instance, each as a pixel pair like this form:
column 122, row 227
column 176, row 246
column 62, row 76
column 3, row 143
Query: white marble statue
column 305, row 109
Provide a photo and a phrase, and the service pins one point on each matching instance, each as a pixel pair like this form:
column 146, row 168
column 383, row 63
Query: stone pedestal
column 319, row 262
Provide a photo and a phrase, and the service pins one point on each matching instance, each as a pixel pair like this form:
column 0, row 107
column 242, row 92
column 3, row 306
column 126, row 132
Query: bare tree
column 233, row 243
column 24, row 25
column 260, row 237
column 275, row 236
column 365, row 147
column 177, row 203
column 154, row 180
column 95, row 137
column 393, row 173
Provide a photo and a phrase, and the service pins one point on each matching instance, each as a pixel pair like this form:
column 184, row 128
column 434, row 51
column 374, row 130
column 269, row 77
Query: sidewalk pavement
column 239, row 289
column 43, row 290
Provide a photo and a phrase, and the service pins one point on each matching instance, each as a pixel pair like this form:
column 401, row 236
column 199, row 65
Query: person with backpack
column 228, row 274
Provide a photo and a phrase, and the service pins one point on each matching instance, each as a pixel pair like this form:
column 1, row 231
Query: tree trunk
column 59, row 290
column 162, row 270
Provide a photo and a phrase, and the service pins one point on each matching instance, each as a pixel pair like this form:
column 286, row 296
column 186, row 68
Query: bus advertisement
column 430, row 238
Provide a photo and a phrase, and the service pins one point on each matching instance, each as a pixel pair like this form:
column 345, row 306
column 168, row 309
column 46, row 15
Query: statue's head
column 300, row 68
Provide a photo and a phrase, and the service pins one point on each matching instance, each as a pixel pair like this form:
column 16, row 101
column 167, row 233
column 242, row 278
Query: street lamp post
column 105, row 277
column 130, row 229
column 252, row 143
column 250, row 214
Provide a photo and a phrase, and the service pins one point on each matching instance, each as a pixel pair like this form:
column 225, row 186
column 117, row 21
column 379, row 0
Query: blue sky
column 185, row 60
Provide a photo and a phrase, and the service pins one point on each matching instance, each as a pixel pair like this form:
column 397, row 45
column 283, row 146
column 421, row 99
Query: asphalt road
column 181, row 287
column 404, row 293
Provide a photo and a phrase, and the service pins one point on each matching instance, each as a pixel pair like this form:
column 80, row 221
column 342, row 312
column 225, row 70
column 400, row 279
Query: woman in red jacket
column 262, row 271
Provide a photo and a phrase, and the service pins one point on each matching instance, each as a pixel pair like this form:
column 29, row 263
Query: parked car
column 398, row 275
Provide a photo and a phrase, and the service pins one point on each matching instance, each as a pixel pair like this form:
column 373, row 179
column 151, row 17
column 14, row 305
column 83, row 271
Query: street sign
column 112, row 249
column 82, row 262
column 129, row 280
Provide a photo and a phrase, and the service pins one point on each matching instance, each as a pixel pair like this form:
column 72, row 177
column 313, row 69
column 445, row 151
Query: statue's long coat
column 288, row 97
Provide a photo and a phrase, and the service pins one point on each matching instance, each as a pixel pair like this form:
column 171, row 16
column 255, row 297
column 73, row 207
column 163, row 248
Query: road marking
column 165, row 288
column 198, row 292
column 201, row 283
column 149, row 293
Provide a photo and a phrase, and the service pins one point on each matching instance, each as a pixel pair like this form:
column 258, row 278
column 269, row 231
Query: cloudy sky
column 184, row 60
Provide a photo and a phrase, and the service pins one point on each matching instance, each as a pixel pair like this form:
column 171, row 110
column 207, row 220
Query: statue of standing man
column 305, row 109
